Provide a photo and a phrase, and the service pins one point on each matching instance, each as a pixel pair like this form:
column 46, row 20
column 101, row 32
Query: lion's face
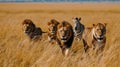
column 52, row 26
column 64, row 33
column 28, row 26
column 99, row 31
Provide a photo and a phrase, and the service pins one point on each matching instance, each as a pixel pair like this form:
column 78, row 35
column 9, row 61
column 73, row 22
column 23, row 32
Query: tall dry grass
column 17, row 51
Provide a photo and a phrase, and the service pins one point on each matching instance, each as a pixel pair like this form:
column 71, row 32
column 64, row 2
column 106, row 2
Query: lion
column 94, row 38
column 52, row 29
column 65, row 36
column 30, row 29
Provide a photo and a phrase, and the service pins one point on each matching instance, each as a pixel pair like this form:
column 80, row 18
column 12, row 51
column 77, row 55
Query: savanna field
column 17, row 51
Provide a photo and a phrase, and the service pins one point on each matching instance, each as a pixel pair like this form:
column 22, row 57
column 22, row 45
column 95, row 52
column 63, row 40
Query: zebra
column 78, row 28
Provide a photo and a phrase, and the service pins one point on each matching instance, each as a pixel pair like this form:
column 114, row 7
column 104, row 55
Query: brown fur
column 94, row 37
column 52, row 29
column 65, row 36
column 33, row 32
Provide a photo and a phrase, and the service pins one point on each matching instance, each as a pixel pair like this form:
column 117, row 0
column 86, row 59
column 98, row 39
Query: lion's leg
column 86, row 47
column 65, row 51
column 100, row 50
column 49, row 39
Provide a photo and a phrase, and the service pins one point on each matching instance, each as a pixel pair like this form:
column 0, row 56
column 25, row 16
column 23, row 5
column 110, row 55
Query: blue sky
column 58, row 0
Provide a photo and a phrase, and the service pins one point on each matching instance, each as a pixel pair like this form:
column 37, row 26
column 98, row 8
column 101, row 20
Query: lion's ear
column 48, row 23
column 26, row 21
column 105, row 24
column 30, row 22
column 55, row 21
column 58, row 23
column 68, row 25
column 72, row 18
column 93, row 25
column 60, row 26
column 79, row 18
column 23, row 23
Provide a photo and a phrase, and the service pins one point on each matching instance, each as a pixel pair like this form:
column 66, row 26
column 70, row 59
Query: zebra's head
column 78, row 26
column 76, row 19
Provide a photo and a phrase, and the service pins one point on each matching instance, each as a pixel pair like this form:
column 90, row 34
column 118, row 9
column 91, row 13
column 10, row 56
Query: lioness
column 94, row 37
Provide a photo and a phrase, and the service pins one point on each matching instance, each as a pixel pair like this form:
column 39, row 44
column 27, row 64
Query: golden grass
column 17, row 51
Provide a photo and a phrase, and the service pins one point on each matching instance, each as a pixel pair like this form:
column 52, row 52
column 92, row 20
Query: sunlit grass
column 17, row 51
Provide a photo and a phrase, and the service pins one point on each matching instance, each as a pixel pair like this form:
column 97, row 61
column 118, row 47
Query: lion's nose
column 63, row 36
column 101, row 35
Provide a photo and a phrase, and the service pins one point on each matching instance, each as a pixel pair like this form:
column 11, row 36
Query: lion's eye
column 67, row 31
column 60, row 30
column 98, row 29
